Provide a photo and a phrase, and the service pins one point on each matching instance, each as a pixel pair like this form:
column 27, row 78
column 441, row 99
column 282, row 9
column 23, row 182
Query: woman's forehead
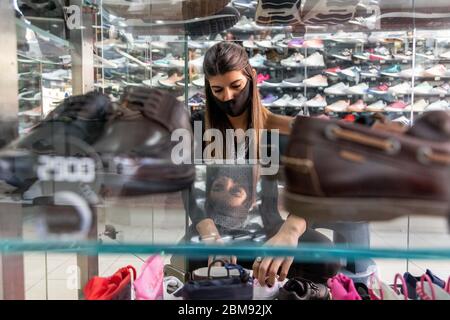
column 226, row 78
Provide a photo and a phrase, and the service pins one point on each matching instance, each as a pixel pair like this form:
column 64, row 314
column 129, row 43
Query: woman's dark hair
column 221, row 58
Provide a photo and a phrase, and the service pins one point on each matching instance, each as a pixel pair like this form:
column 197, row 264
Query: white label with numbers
column 68, row 169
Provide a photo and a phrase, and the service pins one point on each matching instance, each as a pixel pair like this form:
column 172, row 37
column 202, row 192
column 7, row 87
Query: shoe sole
column 360, row 209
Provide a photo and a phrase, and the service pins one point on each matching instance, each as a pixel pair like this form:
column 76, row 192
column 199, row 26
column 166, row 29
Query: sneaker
column 342, row 288
column 294, row 60
column 380, row 54
column 294, row 82
column 196, row 100
column 316, row 81
column 445, row 55
column 314, row 60
column 302, row 289
column 338, row 106
column 412, row 281
column 283, row 101
column 423, row 88
column 401, row 88
column 295, row 43
column 371, row 72
column 299, row 101
column 396, row 106
column 171, row 288
column 428, row 55
column 317, row 102
column 378, row 106
column 362, row 55
column 332, row 71
column 344, row 37
column 351, row 72
column 249, row 44
column 409, row 73
column 359, row 89
column 441, row 90
column 358, row 106
column 345, row 55
column 257, row 61
column 265, row 44
column 337, row 89
column 380, row 89
column 438, row 105
column 313, row 44
column 392, row 71
column 406, row 56
column 366, row 22
column 269, row 99
column 262, row 77
column 272, row 82
column 437, row 71
column 418, row 106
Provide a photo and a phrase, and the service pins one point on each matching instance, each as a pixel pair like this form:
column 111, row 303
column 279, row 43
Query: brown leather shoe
column 348, row 172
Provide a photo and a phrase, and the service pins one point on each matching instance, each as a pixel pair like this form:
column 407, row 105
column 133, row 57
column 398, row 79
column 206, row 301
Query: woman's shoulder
column 280, row 122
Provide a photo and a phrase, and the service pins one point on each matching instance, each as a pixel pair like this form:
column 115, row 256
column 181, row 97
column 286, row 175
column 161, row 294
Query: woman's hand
column 266, row 269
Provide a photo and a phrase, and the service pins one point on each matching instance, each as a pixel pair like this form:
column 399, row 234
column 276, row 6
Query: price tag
column 404, row 61
column 382, row 61
column 437, row 78
column 373, row 78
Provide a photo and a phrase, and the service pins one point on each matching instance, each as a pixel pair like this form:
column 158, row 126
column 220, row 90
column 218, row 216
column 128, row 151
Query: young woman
column 233, row 102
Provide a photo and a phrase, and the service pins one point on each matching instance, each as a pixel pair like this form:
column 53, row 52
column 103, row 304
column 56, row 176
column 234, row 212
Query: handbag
column 119, row 286
column 229, row 288
column 149, row 284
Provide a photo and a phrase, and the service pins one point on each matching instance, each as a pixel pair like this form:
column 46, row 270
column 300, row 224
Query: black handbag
column 230, row 288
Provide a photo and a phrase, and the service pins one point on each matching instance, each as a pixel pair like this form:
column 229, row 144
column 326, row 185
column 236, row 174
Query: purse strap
column 243, row 274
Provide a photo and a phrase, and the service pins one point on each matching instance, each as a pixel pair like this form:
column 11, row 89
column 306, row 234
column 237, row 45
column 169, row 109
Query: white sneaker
column 378, row 106
column 314, row 60
column 409, row 73
column 351, row 72
column 257, row 60
column 423, row 88
column 294, row 60
column 402, row 88
column 445, row 55
column 359, row 89
column 438, row 105
column 337, row 89
column 338, row 106
column 299, row 101
column 367, row 22
column 266, row 292
column 316, row 81
column 265, row 44
column 317, row 102
column 404, row 56
column 283, row 101
column 418, row 106
column 437, row 71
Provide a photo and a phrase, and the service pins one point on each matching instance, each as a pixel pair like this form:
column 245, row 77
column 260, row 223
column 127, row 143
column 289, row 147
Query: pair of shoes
column 375, row 174
column 303, row 289
column 88, row 139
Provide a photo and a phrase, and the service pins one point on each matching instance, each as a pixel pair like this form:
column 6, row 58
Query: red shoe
column 332, row 71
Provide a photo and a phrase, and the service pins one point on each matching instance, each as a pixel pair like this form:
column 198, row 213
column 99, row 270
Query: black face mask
column 237, row 106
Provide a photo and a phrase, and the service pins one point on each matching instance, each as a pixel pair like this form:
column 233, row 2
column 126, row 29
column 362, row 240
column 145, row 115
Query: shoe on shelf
column 371, row 72
column 283, row 101
column 295, row 43
column 338, row 106
column 316, row 81
column 337, row 89
column 392, row 71
column 438, row 105
column 298, row 101
column 296, row 81
column 418, row 72
column 423, row 88
column 377, row 106
column 314, row 60
column 294, row 60
column 358, row 106
column 269, row 99
column 303, row 289
column 418, row 106
column 401, row 88
column 313, row 44
column 406, row 56
column 262, row 77
column 317, row 102
column 257, row 60
column 359, row 89
column 372, row 177
column 272, row 82
column 436, row 71
column 396, row 106
column 334, row 71
column 199, row 82
column 381, row 89
column 345, row 55
column 351, row 72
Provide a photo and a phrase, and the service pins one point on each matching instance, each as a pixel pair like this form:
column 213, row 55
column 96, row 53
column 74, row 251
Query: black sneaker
column 302, row 289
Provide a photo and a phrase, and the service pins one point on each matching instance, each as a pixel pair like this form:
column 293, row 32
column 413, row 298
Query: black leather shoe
column 136, row 148
column 302, row 289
